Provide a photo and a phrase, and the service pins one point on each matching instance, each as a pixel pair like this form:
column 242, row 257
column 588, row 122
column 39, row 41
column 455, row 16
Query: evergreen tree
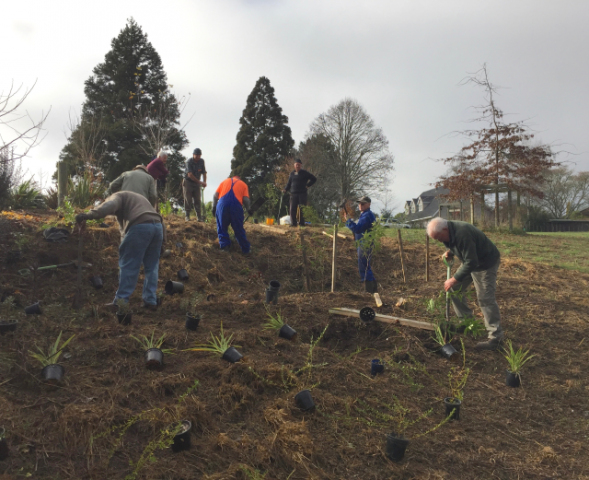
column 264, row 139
column 129, row 97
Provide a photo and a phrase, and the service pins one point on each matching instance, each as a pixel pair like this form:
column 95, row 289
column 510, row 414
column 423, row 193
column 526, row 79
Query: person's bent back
column 138, row 181
column 228, row 202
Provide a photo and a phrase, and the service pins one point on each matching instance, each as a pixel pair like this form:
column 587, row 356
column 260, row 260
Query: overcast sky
column 401, row 60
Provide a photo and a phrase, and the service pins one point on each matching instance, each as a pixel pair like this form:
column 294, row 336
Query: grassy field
column 566, row 250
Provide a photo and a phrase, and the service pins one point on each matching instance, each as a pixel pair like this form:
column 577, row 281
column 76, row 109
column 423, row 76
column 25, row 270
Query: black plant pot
column 183, row 275
column 452, row 408
column 367, row 314
column 232, row 355
column 125, row 318
column 34, row 309
column 287, row 332
column 53, row 374
column 3, row 445
column 192, row 322
column 174, row 287
column 449, row 352
column 96, row 282
column 396, row 446
column 304, row 400
column 512, row 379
column 182, row 440
column 154, row 358
column 8, row 326
column 274, row 285
column 271, row 296
column 159, row 300
column 376, row 367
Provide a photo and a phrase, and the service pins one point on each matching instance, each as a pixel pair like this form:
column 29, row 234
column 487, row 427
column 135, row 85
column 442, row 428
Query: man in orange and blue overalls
column 228, row 202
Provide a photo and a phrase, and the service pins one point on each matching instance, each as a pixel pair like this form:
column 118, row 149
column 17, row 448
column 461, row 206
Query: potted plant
column 181, row 432
column 124, row 313
column 154, row 354
column 516, row 360
column 276, row 322
column 7, row 321
column 52, row 372
column 192, row 317
column 443, row 339
column 220, row 345
column 3, row 444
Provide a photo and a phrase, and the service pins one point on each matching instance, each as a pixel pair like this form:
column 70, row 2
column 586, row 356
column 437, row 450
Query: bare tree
column 499, row 153
column 19, row 132
column 358, row 156
column 158, row 124
column 565, row 192
column 85, row 142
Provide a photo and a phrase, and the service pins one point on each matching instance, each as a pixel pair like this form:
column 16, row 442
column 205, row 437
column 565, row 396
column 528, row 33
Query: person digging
column 298, row 183
column 143, row 234
column 228, row 202
column 480, row 261
column 191, row 185
column 359, row 228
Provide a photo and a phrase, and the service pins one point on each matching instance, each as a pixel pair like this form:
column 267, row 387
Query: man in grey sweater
column 138, row 180
column 480, row 261
column 143, row 233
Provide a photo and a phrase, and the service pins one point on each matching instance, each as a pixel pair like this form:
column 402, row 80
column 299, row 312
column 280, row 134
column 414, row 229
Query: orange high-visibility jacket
column 240, row 189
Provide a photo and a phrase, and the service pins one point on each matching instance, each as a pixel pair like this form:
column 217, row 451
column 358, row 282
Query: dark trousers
column 191, row 198
column 297, row 199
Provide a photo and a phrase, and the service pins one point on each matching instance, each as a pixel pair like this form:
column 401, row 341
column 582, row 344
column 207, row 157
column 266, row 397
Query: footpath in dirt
column 111, row 417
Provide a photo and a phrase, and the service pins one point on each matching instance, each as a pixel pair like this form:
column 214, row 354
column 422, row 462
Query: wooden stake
column 305, row 265
column 401, row 253
column 426, row 257
column 350, row 312
column 334, row 258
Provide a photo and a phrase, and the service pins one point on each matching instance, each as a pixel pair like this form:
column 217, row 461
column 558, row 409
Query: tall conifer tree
column 264, row 138
column 126, row 92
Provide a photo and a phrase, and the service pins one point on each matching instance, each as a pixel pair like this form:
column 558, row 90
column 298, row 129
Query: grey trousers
column 485, row 284
column 191, row 198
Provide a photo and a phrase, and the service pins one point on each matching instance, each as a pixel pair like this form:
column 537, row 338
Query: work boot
column 371, row 286
column 112, row 306
column 187, row 219
column 491, row 344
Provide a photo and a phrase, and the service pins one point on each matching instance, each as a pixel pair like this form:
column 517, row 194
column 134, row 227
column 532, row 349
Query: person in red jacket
column 157, row 169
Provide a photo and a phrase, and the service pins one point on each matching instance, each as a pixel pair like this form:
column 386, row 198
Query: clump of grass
column 516, row 358
column 217, row 344
column 51, row 356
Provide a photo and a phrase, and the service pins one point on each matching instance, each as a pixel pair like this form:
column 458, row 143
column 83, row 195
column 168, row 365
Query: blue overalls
column 230, row 212
column 364, row 224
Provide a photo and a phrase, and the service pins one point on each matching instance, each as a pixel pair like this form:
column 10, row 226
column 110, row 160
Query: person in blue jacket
column 359, row 228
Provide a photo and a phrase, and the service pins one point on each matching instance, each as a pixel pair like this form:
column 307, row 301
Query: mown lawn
column 567, row 250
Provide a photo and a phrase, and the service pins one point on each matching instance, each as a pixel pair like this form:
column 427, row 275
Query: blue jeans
column 141, row 245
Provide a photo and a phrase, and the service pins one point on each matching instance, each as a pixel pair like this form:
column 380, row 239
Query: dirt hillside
column 111, row 417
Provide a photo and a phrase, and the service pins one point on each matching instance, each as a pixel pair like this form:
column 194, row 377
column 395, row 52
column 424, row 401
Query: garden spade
column 255, row 207
column 77, row 303
column 448, row 272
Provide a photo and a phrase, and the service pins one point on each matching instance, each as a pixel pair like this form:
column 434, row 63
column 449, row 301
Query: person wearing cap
column 228, row 202
column 191, row 185
column 359, row 228
column 480, row 262
column 298, row 183
column 143, row 233
column 137, row 180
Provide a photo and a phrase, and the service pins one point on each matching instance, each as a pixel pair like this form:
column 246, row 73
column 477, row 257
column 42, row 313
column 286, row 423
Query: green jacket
column 138, row 181
column 472, row 247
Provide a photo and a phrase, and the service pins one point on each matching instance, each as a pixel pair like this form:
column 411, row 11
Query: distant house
column 426, row 206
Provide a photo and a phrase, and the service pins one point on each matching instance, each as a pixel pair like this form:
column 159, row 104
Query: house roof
column 431, row 204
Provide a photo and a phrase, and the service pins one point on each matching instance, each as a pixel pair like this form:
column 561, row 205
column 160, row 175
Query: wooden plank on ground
column 268, row 227
column 350, row 312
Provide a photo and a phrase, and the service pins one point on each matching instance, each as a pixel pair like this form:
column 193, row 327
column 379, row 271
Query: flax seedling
column 516, row 358
column 151, row 342
column 51, row 356
column 275, row 322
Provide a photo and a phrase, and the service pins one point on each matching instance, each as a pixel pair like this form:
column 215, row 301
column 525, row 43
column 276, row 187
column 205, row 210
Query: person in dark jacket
column 359, row 228
column 480, row 261
column 298, row 183
column 191, row 186
column 157, row 169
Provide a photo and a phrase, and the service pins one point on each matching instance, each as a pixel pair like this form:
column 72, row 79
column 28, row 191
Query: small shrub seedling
column 516, row 358
column 441, row 338
column 473, row 327
column 124, row 307
column 275, row 322
column 217, row 345
column 149, row 342
column 52, row 355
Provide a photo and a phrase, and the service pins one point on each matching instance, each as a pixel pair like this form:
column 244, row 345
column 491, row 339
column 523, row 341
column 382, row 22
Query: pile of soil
column 112, row 417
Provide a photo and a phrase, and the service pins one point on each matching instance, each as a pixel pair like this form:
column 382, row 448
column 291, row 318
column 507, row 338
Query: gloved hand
column 80, row 217
column 250, row 212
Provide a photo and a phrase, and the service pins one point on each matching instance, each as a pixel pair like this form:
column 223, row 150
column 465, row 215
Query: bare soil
column 106, row 420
